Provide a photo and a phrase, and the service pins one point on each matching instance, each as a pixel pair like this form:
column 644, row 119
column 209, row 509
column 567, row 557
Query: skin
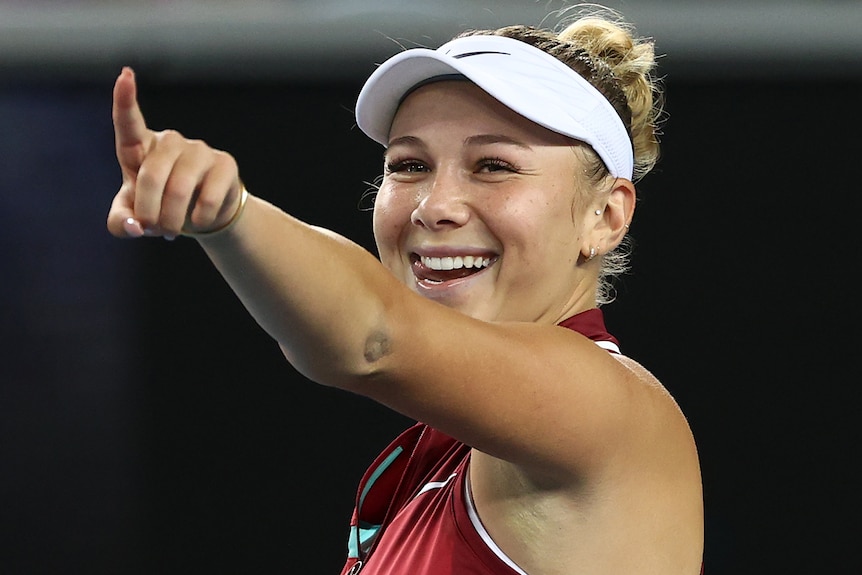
column 582, row 462
column 486, row 184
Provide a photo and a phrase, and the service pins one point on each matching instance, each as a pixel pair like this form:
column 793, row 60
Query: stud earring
column 598, row 212
column 593, row 252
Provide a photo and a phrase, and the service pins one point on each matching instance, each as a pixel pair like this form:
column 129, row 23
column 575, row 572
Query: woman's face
column 479, row 208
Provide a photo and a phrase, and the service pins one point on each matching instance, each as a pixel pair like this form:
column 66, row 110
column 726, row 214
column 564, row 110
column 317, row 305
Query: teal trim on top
column 362, row 536
column 378, row 472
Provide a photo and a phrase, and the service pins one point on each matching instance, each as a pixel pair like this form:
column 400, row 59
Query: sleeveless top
column 414, row 514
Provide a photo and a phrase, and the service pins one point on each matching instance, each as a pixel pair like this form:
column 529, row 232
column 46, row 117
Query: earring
column 598, row 212
column 593, row 252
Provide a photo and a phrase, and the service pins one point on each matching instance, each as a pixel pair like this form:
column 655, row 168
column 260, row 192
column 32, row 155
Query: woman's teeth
column 455, row 263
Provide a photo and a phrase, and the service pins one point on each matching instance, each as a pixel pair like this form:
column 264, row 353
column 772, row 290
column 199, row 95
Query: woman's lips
column 433, row 271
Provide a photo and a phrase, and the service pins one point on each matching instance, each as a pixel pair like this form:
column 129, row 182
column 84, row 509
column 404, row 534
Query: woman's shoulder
column 640, row 376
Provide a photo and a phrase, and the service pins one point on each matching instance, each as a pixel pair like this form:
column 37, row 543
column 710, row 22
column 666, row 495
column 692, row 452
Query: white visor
column 525, row 79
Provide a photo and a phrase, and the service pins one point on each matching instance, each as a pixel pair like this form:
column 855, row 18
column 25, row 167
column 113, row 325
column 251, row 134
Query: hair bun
column 631, row 62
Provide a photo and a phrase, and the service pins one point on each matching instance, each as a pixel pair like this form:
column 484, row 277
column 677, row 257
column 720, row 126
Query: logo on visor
column 459, row 56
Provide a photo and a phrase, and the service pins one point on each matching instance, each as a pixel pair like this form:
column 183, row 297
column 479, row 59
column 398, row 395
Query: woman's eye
column 495, row 165
column 409, row 166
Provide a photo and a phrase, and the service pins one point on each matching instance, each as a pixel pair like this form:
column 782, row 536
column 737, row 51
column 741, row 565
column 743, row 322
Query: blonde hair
column 600, row 46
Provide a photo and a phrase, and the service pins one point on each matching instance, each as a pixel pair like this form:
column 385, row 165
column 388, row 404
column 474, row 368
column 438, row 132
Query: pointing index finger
column 130, row 130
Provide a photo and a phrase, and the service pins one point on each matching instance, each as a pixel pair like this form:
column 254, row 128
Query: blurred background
column 148, row 425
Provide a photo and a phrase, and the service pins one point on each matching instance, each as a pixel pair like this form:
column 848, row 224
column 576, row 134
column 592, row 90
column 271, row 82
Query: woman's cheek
column 389, row 219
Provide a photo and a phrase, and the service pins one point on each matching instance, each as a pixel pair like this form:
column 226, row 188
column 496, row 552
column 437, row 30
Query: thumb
column 121, row 217
column 131, row 136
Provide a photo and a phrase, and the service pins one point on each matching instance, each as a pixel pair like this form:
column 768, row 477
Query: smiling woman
column 486, row 183
column 508, row 189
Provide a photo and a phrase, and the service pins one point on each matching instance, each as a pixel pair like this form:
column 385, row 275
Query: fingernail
column 133, row 227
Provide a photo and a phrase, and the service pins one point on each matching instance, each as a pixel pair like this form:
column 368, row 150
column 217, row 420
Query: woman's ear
column 610, row 219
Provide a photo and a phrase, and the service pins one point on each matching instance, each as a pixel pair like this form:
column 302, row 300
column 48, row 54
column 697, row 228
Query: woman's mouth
column 433, row 270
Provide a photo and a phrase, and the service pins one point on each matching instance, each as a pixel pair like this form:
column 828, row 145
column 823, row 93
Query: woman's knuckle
column 224, row 159
column 146, row 179
column 170, row 136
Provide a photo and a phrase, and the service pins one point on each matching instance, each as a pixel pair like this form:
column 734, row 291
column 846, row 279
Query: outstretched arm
column 532, row 394
column 292, row 277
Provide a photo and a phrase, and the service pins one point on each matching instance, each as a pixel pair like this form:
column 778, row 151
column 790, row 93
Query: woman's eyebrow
column 477, row 140
column 404, row 141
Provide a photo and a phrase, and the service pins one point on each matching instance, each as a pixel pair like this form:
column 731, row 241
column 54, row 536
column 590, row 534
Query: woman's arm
column 540, row 396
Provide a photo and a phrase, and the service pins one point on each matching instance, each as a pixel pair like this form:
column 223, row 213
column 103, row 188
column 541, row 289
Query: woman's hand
column 171, row 185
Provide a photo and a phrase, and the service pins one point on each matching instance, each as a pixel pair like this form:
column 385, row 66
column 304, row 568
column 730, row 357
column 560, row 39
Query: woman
column 502, row 214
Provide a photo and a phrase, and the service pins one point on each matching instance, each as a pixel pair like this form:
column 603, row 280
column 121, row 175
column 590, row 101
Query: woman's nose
column 441, row 204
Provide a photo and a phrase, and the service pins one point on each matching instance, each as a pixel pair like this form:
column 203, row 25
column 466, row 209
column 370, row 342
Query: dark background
column 148, row 425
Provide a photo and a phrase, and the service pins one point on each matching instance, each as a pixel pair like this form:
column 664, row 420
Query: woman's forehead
column 462, row 110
